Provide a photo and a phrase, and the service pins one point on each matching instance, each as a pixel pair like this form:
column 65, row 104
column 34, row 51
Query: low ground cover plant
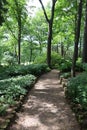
column 15, row 80
column 15, row 70
column 76, row 94
column 77, row 90
column 11, row 90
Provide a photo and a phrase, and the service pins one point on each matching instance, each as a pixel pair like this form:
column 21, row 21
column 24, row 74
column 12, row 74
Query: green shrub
column 77, row 90
column 85, row 67
column 79, row 65
column 3, row 108
column 40, row 59
column 34, row 69
column 65, row 75
column 13, row 87
column 56, row 59
column 65, row 66
column 11, row 90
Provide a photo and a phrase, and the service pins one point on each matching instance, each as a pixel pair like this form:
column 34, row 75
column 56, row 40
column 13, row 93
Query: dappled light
column 37, row 37
column 46, row 108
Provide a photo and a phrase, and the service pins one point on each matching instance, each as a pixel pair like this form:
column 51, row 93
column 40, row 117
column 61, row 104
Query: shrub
column 77, row 90
column 56, row 59
column 85, row 67
column 65, row 65
column 35, row 69
column 40, row 59
column 65, row 75
column 79, row 65
column 11, row 90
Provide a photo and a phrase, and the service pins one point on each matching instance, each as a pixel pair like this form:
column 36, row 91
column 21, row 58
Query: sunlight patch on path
column 46, row 107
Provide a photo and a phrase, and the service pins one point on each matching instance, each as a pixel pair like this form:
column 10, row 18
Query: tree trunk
column 57, row 48
column 40, row 47
column 18, row 17
column 50, row 25
column 77, row 35
column 19, row 41
column 80, row 47
column 31, row 52
column 49, row 45
column 84, row 56
column 62, row 49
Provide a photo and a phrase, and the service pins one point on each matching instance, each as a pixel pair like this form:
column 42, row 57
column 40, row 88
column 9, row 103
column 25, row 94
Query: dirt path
column 46, row 107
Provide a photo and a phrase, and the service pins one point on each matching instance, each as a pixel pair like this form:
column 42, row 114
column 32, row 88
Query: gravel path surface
column 46, row 107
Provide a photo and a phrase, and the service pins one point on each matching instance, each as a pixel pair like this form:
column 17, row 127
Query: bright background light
column 33, row 5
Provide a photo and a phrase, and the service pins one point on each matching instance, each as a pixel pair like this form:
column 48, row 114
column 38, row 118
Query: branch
column 10, row 30
column 44, row 11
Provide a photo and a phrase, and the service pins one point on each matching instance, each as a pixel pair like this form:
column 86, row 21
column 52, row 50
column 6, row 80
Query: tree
column 84, row 56
column 50, row 26
column 63, row 28
column 77, row 36
column 15, row 18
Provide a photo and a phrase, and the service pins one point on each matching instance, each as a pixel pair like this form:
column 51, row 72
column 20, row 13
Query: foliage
column 9, row 58
column 57, row 61
column 79, row 65
column 65, row 65
column 85, row 67
column 77, row 90
column 11, row 90
column 35, row 69
column 15, row 70
column 65, row 75
column 2, row 10
column 40, row 59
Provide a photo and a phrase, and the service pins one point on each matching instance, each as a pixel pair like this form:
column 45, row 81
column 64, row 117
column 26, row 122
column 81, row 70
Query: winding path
column 46, row 107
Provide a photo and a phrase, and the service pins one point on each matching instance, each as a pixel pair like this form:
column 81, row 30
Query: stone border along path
column 46, row 107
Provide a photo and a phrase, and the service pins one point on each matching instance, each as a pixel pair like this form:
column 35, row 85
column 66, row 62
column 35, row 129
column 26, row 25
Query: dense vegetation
column 54, row 36
column 15, row 81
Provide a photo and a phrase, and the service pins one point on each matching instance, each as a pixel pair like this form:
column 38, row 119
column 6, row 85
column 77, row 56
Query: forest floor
column 46, row 108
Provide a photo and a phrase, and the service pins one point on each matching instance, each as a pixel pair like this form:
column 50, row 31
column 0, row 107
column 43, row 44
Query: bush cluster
column 15, row 80
column 11, row 89
column 34, row 69
column 57, row 61
column 77, row 90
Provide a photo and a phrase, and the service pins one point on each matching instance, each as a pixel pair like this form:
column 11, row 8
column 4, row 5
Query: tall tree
column 84, row 56
column 50, row 26
column 77, row 36
column 16, row 14
column 19, row 22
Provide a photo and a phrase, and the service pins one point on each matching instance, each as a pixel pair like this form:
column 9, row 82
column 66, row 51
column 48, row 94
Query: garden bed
column 78, row 106
column 7, row 114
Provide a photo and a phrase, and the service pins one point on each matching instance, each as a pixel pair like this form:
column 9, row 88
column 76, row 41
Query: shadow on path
column 46, row 107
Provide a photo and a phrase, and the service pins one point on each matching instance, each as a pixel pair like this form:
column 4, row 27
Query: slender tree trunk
column 19, row 41
column 49, row 44
column 80, row 47
column 62, row 50
column 18, row 17
column 50, row 26
column 57, row 48
column 84, row 56
column 31, row 51
column 40, row 47
column 77, row 35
